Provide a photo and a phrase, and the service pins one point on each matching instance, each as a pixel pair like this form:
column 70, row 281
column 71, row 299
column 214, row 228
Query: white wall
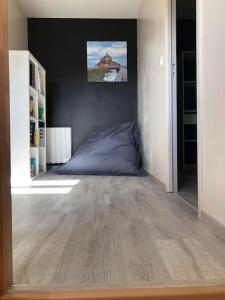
column 18, row 38
column 154, row 99
column 153, row 96
column 211, row 84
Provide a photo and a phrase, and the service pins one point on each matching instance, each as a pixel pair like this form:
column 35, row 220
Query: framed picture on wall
column 107, row 61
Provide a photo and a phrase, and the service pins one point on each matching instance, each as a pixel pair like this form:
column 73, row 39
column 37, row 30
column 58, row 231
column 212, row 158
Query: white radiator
column 58, row 145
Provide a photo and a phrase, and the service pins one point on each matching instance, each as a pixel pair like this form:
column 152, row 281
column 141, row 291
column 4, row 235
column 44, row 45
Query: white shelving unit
column 27, row 117
column 189, row 108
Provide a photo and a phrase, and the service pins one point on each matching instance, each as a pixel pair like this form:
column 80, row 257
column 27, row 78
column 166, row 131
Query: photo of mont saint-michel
column 107, row 61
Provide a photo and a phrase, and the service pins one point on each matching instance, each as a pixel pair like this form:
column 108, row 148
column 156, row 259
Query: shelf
column 41, row 95
column 189, row 55
column 189, row 84
column 28, row 100
column 190, row 119
column 36, row 92
column 38, row 147
column 33, row 119
column 41, row 172
column 190, row 111
column 187, row 52
column 33, row 89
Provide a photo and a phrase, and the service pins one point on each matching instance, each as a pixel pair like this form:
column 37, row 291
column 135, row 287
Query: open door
column 184, row 100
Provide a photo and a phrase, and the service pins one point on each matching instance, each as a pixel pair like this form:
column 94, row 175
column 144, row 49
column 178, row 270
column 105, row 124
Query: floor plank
column 92, row 231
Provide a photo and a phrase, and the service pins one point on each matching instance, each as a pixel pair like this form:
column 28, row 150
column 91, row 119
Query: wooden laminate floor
column 91, row 232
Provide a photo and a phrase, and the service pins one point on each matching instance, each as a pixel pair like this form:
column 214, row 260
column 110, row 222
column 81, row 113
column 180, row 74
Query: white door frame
column 172, row 184
column 174, row 94
column 200, row 130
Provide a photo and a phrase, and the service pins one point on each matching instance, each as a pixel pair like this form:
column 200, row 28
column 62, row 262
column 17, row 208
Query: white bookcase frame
column 20, row 118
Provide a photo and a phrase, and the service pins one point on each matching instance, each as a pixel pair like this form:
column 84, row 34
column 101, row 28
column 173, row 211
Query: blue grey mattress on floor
column 113, row 152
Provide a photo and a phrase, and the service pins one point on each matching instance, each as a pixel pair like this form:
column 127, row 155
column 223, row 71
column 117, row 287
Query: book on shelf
column 32, row 134
column 32, row 74
column 41, row 113
column 32, row 113
column 36, row 138
column 33, row 170
column 42, row 137
column 38, row 81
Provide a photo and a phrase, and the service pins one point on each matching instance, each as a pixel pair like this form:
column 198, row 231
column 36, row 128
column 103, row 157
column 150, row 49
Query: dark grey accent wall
column 60, row 46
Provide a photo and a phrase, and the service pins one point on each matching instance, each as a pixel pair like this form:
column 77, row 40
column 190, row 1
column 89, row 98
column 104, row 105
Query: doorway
column 185, row 99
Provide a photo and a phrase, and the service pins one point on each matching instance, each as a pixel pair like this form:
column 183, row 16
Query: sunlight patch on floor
column 54, row 182
column 40, row 191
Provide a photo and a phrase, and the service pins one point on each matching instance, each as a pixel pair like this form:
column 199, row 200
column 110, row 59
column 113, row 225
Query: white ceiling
column 103, row 9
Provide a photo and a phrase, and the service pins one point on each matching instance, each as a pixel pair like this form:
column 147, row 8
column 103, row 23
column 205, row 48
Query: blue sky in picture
column 96, row 50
